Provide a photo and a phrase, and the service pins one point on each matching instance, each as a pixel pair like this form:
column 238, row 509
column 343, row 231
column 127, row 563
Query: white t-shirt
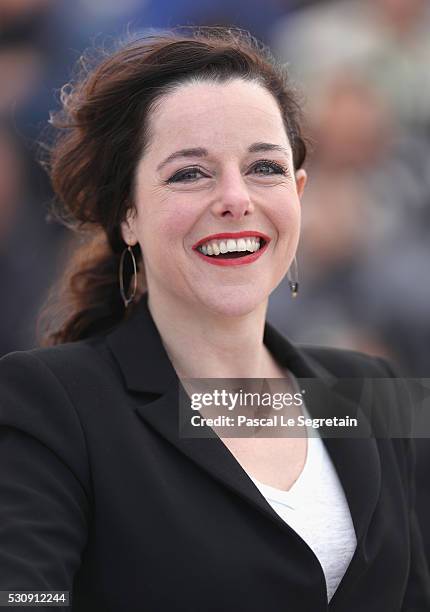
column 316, row 508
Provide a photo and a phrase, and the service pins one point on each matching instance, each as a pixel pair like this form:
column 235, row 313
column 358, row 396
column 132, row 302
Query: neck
column 205, row 344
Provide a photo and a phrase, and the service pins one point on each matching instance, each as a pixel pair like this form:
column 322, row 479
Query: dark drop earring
column 293, row 278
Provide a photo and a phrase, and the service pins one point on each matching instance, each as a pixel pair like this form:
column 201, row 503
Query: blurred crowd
column 363, row 69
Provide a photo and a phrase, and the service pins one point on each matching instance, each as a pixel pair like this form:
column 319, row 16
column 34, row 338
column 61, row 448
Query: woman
column 182, row 155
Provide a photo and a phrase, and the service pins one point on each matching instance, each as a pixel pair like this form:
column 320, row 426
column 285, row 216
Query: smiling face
column 219, row 163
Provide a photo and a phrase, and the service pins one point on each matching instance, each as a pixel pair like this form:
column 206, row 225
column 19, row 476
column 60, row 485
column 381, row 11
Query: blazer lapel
column 145, row 365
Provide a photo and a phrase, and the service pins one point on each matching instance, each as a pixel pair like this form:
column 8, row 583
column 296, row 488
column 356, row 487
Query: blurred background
column 363, row 67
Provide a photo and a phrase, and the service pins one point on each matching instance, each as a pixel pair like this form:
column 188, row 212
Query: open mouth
column 233, row 254
column 232, row 248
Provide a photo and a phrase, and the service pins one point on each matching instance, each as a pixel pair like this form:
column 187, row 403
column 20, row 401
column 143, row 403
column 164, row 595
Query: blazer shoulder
column 36, row 402
column 71, row 363
column 391, row 393
column 349, row 363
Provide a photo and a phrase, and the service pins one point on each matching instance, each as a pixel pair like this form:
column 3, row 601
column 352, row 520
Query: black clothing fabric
column 101, row 496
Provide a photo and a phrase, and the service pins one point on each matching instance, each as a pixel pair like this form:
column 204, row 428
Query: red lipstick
column 238, row 261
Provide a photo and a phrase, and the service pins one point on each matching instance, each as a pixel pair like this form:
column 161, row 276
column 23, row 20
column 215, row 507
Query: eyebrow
column 256, row 147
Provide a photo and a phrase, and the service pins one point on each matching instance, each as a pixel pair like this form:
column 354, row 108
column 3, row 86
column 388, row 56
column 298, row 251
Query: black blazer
column 99, row 495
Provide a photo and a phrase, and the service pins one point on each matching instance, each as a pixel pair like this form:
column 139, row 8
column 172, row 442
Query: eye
column 186, row 176
column 267, row 168
column 263, row 167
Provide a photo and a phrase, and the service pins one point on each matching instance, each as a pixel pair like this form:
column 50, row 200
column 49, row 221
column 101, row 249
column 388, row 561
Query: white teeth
column 231, row 245
column 216, row 247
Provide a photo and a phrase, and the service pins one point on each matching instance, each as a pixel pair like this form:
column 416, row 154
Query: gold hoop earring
column 129, row 299
column 293, row 278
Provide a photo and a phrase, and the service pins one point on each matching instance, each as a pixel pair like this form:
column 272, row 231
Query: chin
column 233, row 301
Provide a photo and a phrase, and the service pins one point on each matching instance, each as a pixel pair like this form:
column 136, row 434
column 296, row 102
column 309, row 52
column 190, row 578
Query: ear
column 127, row 228
column 301, row 178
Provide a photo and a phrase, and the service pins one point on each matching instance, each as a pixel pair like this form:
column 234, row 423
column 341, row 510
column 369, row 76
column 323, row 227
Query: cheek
column 165, row 229
column 176, row 224
column 286, row 216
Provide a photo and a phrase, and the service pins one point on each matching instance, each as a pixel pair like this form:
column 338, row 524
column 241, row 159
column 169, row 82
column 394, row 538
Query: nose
column 232, row 197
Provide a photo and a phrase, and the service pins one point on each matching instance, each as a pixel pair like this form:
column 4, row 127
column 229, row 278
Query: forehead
column 208, row 114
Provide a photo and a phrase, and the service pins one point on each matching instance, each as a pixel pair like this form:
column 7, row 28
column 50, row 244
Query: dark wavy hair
column 102, row 131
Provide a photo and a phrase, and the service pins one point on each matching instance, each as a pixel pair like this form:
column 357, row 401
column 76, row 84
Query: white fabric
column 316, row 508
